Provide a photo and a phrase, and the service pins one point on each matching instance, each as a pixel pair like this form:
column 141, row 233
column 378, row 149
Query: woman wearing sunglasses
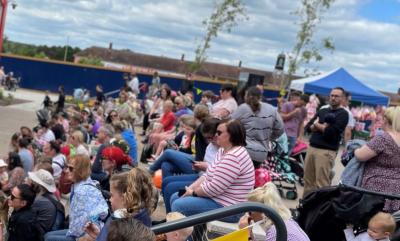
column 227, row 180
column 87, row 202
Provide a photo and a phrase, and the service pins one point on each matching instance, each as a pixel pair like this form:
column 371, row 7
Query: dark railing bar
column 362, row 190
column 225, row 212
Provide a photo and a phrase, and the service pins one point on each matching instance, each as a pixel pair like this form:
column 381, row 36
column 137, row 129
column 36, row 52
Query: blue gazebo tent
column 323, row 83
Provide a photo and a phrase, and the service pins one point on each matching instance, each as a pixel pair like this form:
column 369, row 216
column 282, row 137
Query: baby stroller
column 297, row 158
column 324, row 213
column 278, row 164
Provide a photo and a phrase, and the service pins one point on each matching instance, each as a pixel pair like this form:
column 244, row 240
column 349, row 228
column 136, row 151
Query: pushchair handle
column 362, row 190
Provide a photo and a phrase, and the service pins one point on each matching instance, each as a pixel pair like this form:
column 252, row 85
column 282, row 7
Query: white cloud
column 368, row 49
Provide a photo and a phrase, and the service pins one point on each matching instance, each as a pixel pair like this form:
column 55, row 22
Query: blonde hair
column 385, row 221
column 173, row 216
column 269, row 195
column 168, row 103
column 389, row 114
column 396, row 119
column 188, row 120
column 78, row 135
column 136, row 187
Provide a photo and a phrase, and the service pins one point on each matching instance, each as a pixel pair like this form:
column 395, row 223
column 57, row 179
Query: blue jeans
column 291, row 144
column 173, row 184
column 189, row 206
column 59, row 235
column 173, row 162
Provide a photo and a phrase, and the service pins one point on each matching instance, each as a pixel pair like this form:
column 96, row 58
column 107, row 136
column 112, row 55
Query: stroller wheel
column 291, row 195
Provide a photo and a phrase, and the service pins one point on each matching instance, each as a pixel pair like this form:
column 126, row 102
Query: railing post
column 220, row 213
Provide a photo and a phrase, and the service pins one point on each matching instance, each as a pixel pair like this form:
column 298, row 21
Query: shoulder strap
column 56, row 203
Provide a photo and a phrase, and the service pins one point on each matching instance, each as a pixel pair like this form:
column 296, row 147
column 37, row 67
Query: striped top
column 230, row 177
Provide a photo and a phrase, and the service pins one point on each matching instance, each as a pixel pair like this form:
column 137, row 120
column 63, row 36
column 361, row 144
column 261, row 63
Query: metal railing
column 222, row 213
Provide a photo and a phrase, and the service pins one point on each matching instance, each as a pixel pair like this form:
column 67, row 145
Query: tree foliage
column 41, row 51
column 226, row 15
column 305, row 49
column 91, row 61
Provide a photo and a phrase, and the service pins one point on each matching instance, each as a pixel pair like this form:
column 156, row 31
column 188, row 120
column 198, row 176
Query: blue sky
column 381, row 10
column 366, row 33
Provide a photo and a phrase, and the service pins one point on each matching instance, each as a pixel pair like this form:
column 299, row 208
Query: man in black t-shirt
column 327, row 127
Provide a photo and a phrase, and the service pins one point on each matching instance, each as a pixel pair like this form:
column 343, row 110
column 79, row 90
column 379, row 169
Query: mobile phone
column 193, row 161
column 181, row 192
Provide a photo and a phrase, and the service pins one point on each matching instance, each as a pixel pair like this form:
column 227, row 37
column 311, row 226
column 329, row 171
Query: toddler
column 181, row 234
column 380, row 227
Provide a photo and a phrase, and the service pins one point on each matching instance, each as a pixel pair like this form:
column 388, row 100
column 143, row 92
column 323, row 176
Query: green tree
column 91, row 61
column 305, row 49
column 226, row 15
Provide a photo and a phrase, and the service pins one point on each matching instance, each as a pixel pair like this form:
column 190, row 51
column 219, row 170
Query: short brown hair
column 129, row 229
column 237, row 133
column 82, row 168
column 201, row 112
column 208, row 94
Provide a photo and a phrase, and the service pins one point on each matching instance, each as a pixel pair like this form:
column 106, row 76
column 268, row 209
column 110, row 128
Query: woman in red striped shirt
column 227, row 181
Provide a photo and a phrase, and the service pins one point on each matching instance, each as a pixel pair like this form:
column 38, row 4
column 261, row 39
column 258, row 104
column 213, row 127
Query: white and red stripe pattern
column 230, row 177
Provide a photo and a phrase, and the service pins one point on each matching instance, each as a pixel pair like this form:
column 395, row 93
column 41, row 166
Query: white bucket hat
column 44, row 179
column 3, row 163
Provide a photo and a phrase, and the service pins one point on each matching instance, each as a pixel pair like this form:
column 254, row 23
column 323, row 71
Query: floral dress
column 382, row 172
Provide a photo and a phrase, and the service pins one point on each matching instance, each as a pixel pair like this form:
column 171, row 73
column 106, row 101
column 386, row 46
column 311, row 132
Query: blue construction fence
column 48, row 75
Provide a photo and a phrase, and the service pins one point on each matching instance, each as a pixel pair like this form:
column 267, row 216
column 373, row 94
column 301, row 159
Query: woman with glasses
column 174, row 183
column 86, row 201
column 227, row 180
column 269, row 195
column 227, row 104
column 158, row 107
column 112, row 116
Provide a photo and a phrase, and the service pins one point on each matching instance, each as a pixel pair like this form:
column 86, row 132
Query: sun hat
column 3, row 163
column 44, row 179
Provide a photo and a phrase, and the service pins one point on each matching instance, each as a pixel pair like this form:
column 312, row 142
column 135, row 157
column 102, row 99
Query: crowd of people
column 207, row 153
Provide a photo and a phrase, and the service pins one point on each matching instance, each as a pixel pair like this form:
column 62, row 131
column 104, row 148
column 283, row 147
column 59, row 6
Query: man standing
column 293, row 114
column 133, row 83
column 327, row 127
column 352, row 122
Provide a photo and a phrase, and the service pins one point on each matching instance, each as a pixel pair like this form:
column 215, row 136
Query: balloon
column 157, row 179
column 261, row 177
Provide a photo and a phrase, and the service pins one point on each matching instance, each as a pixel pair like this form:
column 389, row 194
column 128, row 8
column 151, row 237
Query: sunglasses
column 70, row 168
column 14, row 197
column 219, row 133
column 114, row 115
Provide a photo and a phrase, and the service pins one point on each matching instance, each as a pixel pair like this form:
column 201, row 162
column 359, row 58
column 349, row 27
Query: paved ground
column 14, row 116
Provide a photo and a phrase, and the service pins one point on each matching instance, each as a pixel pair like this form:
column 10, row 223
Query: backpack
column 60, row 221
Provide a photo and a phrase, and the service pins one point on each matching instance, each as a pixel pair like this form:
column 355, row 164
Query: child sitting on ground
column 181, row 234
column 380, row 227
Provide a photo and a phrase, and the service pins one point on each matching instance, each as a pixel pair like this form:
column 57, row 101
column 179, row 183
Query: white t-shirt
column 48, row 136
column 134, row 85
column 82, row 150
column 210, row 153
